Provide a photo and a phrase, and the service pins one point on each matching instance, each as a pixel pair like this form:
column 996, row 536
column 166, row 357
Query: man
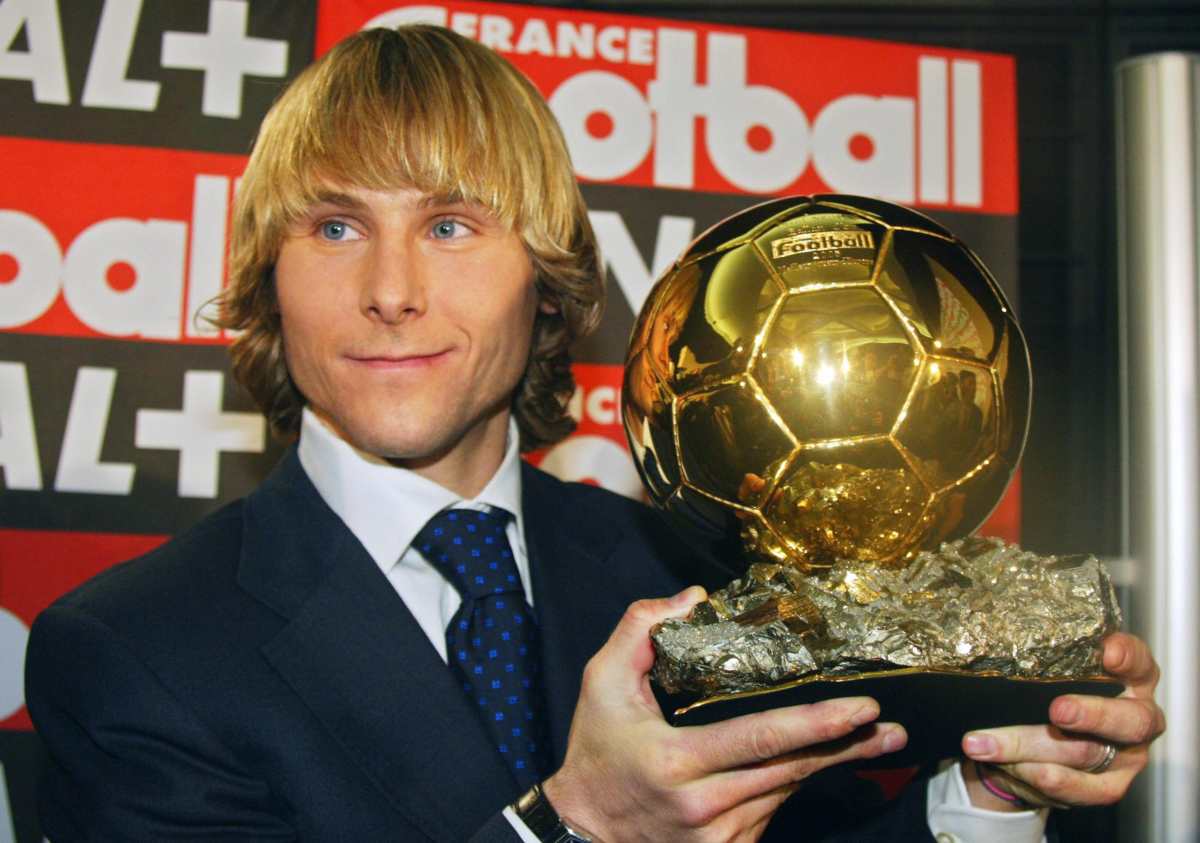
column 410, row 261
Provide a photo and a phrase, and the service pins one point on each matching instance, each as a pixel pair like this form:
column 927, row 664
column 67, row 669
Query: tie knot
column 471, row 550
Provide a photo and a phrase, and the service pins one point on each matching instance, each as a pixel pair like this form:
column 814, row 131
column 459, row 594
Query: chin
column 397, row 445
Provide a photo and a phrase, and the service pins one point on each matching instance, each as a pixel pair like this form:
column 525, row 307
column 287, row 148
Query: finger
column 754, row 738
column 748, row 820
column 629, row 653
column 1076, row 787
column 1128, row 658
column 1124, row 720
column 727, row 817
column 1037, row 744
column 786, row 771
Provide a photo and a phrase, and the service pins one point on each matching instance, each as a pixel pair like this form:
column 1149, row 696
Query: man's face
column 406, row 320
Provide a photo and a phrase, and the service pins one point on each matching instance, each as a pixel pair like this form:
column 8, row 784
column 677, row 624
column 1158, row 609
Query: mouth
column 399, row 362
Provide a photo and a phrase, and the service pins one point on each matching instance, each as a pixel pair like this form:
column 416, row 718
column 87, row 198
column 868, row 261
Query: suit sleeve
column 496, row 830
column 128, row 759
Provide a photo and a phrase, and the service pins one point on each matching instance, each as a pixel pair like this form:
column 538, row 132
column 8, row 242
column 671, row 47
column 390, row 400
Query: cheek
column 307, row 345
column 528, row 301
column 297, row 339
column 299, row 364
column 499, row 299
column 308, row 313
column 522, row 317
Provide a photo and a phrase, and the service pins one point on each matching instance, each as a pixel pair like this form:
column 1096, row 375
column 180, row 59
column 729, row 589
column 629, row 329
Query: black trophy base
column 937, row 708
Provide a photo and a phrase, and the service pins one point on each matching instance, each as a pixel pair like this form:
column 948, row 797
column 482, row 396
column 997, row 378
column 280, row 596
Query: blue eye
column 334, row 230
column 445, row 229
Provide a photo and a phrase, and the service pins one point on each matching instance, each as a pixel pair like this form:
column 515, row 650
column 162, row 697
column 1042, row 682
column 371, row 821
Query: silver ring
column 1110, row 754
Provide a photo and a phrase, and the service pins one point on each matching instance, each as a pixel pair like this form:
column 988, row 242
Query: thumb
column 629, row 653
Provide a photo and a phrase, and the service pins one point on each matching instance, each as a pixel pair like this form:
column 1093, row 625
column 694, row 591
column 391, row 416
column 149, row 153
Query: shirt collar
column 385, row 506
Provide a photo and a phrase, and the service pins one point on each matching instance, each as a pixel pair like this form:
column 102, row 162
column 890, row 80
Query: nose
column 394, row 288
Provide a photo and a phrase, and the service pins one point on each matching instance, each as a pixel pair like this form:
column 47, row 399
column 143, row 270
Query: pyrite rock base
column 977, row 633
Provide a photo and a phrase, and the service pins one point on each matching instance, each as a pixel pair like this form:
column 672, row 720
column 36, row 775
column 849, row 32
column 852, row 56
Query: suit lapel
column 354, row 654
column 576, row 600
column 587, row 567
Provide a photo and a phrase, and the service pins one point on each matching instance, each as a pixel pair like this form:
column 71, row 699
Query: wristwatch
column 539, row 816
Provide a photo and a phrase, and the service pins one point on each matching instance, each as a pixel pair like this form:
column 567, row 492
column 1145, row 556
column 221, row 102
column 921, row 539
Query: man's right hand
column 630, row 776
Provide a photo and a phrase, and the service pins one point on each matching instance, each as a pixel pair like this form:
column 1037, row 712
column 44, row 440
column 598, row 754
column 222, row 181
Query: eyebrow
column 431, row 200
column 452, row 201
column 340, row 200
column 353, row 203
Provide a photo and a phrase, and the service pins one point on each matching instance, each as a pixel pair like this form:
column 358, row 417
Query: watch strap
column 539, row 816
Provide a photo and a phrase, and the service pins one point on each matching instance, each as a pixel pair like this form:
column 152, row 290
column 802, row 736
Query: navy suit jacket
column 257, row 678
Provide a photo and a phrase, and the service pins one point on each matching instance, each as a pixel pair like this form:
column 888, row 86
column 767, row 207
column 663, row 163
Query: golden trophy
column 839, row 383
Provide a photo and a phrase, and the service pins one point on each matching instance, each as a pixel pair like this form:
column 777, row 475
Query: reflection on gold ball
column 832, row 376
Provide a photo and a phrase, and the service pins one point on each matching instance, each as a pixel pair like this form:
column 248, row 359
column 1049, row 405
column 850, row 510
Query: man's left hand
column 1056, row 758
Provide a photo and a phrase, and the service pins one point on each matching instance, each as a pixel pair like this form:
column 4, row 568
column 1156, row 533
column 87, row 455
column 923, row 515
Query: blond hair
column 419, row 107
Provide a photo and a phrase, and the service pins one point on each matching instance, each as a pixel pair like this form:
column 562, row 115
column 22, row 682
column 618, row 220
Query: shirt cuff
column 519, row 826
column 953, row 819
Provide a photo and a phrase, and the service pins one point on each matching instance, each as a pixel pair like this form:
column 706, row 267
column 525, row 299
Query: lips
column 393, row 360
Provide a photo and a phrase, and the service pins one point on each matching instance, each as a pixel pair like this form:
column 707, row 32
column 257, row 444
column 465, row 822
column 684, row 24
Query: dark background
column 1066, row 53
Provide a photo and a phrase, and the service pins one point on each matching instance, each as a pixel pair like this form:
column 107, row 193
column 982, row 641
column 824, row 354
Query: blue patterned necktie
column 492, row 641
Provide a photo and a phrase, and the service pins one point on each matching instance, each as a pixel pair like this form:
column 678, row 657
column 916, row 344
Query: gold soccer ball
column 832, row 377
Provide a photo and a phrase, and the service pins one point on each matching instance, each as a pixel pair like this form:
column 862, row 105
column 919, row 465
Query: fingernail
column 980, row 745
column 895, row 739
column 691, row 594
column 864, row 715
column 1066, row 712
column 1115, row 655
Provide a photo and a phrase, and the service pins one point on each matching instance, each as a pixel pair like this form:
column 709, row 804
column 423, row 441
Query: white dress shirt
column 953, row 819
column 385, row 506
